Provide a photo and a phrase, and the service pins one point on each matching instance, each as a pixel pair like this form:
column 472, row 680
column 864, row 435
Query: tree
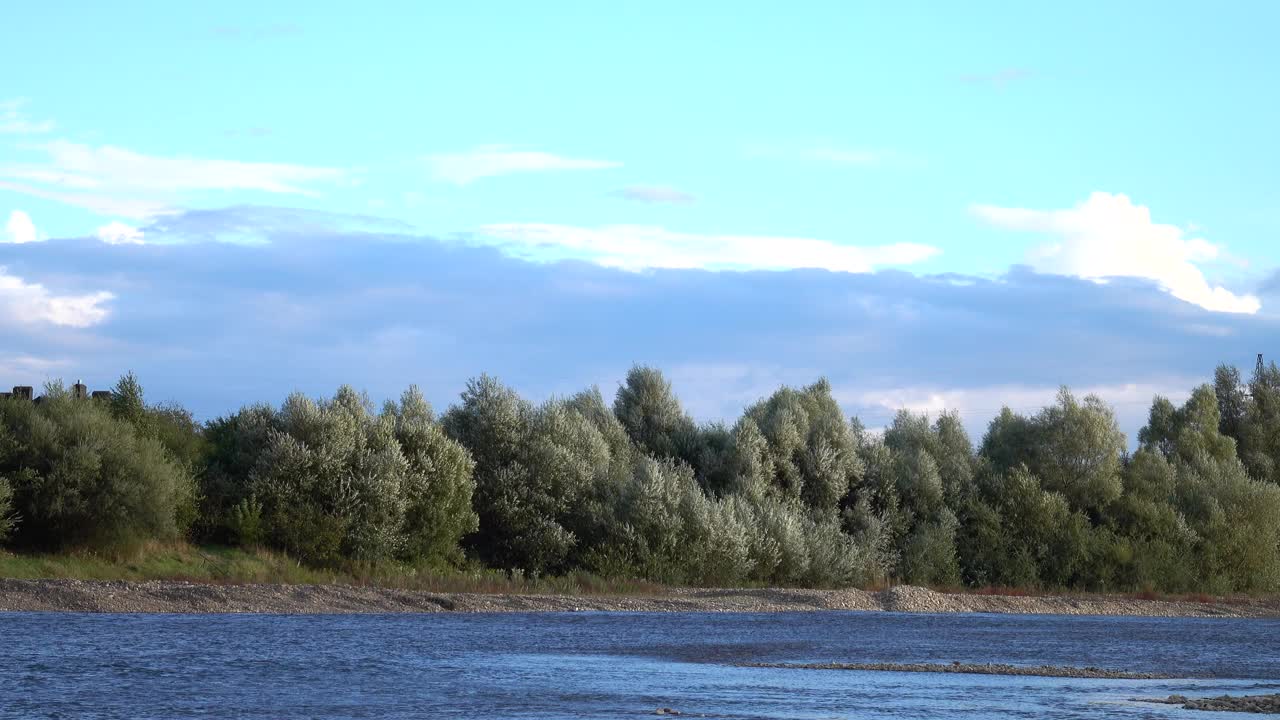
column 809, row 449
column 1071, row 447
column 8, row 519
column 80, row 477
column 1233, row 517
column 329, row 481
column 438, row 484
column 651, row 413
column 945, row 441
column 533, row 466
column 1233, row 403
column 1260, row 436
column 1188, row 431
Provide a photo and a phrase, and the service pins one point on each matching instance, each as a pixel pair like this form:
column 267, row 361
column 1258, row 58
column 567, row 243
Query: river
column 611, row 665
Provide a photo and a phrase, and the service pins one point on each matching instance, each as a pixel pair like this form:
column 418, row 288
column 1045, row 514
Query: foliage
column 792, row 493
column 532, row 466
column 1073, row 448
column 8, row 519
column 651, row 413
column 79, row 476
column 809, row 451
column 331, row 480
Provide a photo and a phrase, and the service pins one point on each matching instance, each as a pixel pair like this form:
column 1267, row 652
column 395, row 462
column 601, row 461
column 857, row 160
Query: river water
column 607, row 665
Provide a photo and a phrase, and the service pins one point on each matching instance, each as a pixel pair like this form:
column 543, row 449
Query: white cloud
column 14, row 121
column 134, row 208
column 637, row 247
column 976, row 406
column 988, row 400
column 655, row 194
column 493, row 160
column 117, row 181
column 20, row 228
column 118, row 233
column 29, row 303
column 78, row 166
column 20, row 369
column 1108, row 236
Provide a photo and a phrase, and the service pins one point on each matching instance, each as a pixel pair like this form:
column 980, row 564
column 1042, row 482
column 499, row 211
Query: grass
column 1193, row 597
column 234, row 566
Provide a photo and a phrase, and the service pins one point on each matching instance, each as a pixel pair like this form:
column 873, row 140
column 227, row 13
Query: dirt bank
column 183, row 597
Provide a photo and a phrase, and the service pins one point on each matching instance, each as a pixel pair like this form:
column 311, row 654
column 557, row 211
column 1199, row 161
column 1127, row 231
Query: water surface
column 607, row 665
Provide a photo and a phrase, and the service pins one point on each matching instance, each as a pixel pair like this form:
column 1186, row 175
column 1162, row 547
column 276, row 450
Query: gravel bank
column 1058, row 671
column 1268, row 704
column 184, row 597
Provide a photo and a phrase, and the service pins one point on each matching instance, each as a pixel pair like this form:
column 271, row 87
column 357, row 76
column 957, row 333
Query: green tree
column 651, row 413
column 809, row 450
column 533, row 467
column 1188, row 431
column 8, row 519
column 1233, row 402
column 80, row 477
column 1233, row 516
column 1071, row 447
column 437, row 485
column 1260, row 435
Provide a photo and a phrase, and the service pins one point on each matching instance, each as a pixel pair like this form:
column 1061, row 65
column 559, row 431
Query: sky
column 936, row 206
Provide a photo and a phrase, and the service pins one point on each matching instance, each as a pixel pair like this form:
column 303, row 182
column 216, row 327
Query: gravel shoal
column 1057, row 671
column 185, row 597
column 1266, row 704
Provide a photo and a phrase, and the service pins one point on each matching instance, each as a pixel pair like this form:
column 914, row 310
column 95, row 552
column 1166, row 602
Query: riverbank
column 65, row 595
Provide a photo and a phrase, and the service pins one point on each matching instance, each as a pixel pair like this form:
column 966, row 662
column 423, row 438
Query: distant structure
column 79, row 391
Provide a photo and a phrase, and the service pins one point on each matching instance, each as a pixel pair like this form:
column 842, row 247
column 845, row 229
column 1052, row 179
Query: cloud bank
column 637, row 247
column 1108, row 236
column 215, row 324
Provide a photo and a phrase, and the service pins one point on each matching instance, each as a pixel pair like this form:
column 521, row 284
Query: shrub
column 80, row 476
column 534, row 469
column 245, row 523
column 330, row 481
column 7, row 517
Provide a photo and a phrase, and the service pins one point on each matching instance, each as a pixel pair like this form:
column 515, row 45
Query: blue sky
column 935, row 207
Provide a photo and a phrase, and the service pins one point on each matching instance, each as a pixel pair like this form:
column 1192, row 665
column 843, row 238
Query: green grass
column 223, row 565
column 163, row 562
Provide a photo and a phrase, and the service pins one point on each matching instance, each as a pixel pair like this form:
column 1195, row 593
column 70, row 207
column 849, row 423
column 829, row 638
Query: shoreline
column 165, row 596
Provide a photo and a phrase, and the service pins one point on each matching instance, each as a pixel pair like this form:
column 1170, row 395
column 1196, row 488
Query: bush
column 330, row 481
column 7, row 517
column 535, row 468
column 79, row 476
column 245, row 523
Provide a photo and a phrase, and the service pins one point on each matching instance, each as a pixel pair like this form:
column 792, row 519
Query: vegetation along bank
column 791, row 494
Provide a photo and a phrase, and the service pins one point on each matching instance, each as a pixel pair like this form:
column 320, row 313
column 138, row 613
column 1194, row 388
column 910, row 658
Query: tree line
column 792, row 493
